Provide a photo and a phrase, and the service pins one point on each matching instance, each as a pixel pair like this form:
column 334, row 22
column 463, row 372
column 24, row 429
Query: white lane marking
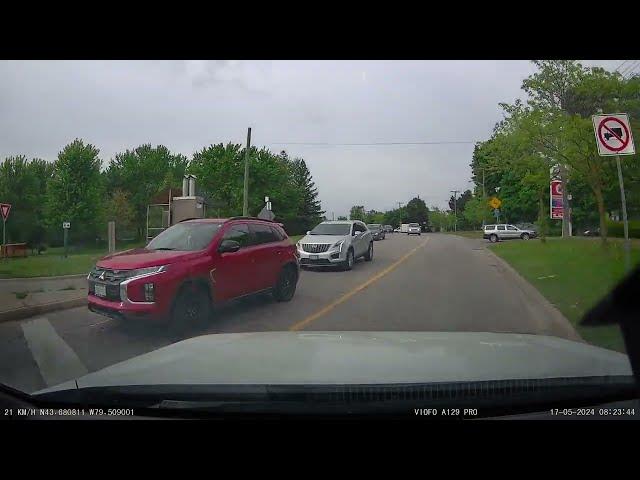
column 99, row 323
column 56, row 360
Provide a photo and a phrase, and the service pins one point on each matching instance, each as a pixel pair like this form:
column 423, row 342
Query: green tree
column 441, row 220
column 309, row 208
column 143, row 173
column 23, row 185
column 475, row 212
column 342, row 217
column 120, row 210
column 373, row 216
column 75, row 192
column 417, row 211
column 357, row 212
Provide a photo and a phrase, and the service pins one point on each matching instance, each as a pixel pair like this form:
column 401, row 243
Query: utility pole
column 627, row 246
column 455, row 209
column 566, row 208
column 401, row 217
column 484, row 199
column 245, row 206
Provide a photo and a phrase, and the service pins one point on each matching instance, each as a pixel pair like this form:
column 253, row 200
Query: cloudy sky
column 187, row 105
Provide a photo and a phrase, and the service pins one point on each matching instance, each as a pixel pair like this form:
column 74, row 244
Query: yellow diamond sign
column 495, row 203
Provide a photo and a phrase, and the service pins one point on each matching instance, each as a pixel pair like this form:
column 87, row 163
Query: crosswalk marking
column 55, row 358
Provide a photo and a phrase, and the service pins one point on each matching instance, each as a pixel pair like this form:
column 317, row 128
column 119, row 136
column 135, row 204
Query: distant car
column 504, row 231
column 414, row 229
column 336, row 243
column 396, row 230
column 377, row 231
column 592, row 232
column 388, row 229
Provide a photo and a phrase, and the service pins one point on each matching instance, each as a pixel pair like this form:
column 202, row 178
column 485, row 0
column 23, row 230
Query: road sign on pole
column 614, row 137
column 557, row 207
column 66, row 226
column 495, row 203
column 5, row 208
column 613, row 134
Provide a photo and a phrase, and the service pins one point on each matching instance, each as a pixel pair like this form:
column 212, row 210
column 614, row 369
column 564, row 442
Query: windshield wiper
column 164, row 248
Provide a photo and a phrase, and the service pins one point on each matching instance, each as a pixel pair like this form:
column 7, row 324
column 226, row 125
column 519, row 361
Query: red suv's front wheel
column 191, row 307
column 286, row 286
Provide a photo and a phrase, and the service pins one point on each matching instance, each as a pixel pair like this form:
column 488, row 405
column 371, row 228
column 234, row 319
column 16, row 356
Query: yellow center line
column 314, row 316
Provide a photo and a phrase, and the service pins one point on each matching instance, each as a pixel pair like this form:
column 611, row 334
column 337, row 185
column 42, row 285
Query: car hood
column 141, row 258
column 323, row 238
column 357, row 358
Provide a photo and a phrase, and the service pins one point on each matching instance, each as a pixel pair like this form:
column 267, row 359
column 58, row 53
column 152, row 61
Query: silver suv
column 505, row 231
column 338, row 243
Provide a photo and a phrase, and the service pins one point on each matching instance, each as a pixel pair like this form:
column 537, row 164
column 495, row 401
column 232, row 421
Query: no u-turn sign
column 613, row 134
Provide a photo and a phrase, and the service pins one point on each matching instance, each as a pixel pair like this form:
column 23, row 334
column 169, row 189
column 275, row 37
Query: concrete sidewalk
column 25, row 297
column 43, row 284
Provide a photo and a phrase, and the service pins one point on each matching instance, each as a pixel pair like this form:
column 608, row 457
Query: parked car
column 388, row 229
column 592, row 232
column 396, row 230
column 192, row 265
column 414, row 229
column 336, row 243
column 377, row 230
column 504, row 231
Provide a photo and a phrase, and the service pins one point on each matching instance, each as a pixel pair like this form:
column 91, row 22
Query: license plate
column 313, row 257
column 100, row 290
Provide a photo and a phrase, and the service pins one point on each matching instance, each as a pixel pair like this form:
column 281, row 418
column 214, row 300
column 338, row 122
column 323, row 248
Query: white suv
column 338, row 243
column 505, row 231
column 414, row 229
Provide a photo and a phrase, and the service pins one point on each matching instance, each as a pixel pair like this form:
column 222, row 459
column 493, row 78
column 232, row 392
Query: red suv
column 193, row 264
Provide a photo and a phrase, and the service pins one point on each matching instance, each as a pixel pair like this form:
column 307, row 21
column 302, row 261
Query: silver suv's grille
column 315, row 247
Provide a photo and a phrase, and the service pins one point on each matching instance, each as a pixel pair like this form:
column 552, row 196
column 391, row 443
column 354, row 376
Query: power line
column 630, row 67
column 327, row 144
column 618, row 67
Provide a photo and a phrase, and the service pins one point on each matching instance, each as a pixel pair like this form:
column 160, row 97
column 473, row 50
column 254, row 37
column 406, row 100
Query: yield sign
column 4, row 210
column 613, row 134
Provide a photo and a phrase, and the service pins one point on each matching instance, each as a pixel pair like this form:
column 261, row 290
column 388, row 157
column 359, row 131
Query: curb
column 25, row 312
column 25, row 279
column 532, row 292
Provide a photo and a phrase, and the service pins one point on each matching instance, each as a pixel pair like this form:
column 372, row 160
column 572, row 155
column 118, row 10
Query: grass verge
column 573, row 274
column 52, row 262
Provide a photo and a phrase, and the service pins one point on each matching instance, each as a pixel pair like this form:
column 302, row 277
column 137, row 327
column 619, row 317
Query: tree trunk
column 542, row 217
column 601, row 211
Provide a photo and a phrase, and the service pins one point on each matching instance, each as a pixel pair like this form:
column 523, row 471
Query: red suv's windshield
column 185, row 236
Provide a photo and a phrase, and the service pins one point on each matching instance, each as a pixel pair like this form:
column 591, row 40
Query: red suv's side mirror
column 228, row 246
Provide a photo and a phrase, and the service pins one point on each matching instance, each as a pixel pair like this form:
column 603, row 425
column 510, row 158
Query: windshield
column 318, row 223
column 185, row 236
column 339, row 229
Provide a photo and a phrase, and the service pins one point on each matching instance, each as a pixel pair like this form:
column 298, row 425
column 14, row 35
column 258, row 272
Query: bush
column 616, row 229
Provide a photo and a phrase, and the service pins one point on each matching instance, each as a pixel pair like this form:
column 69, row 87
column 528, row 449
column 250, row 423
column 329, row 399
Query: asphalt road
column 433, row 282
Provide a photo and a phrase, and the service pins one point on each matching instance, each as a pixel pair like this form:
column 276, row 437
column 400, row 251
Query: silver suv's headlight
column 338, row 244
